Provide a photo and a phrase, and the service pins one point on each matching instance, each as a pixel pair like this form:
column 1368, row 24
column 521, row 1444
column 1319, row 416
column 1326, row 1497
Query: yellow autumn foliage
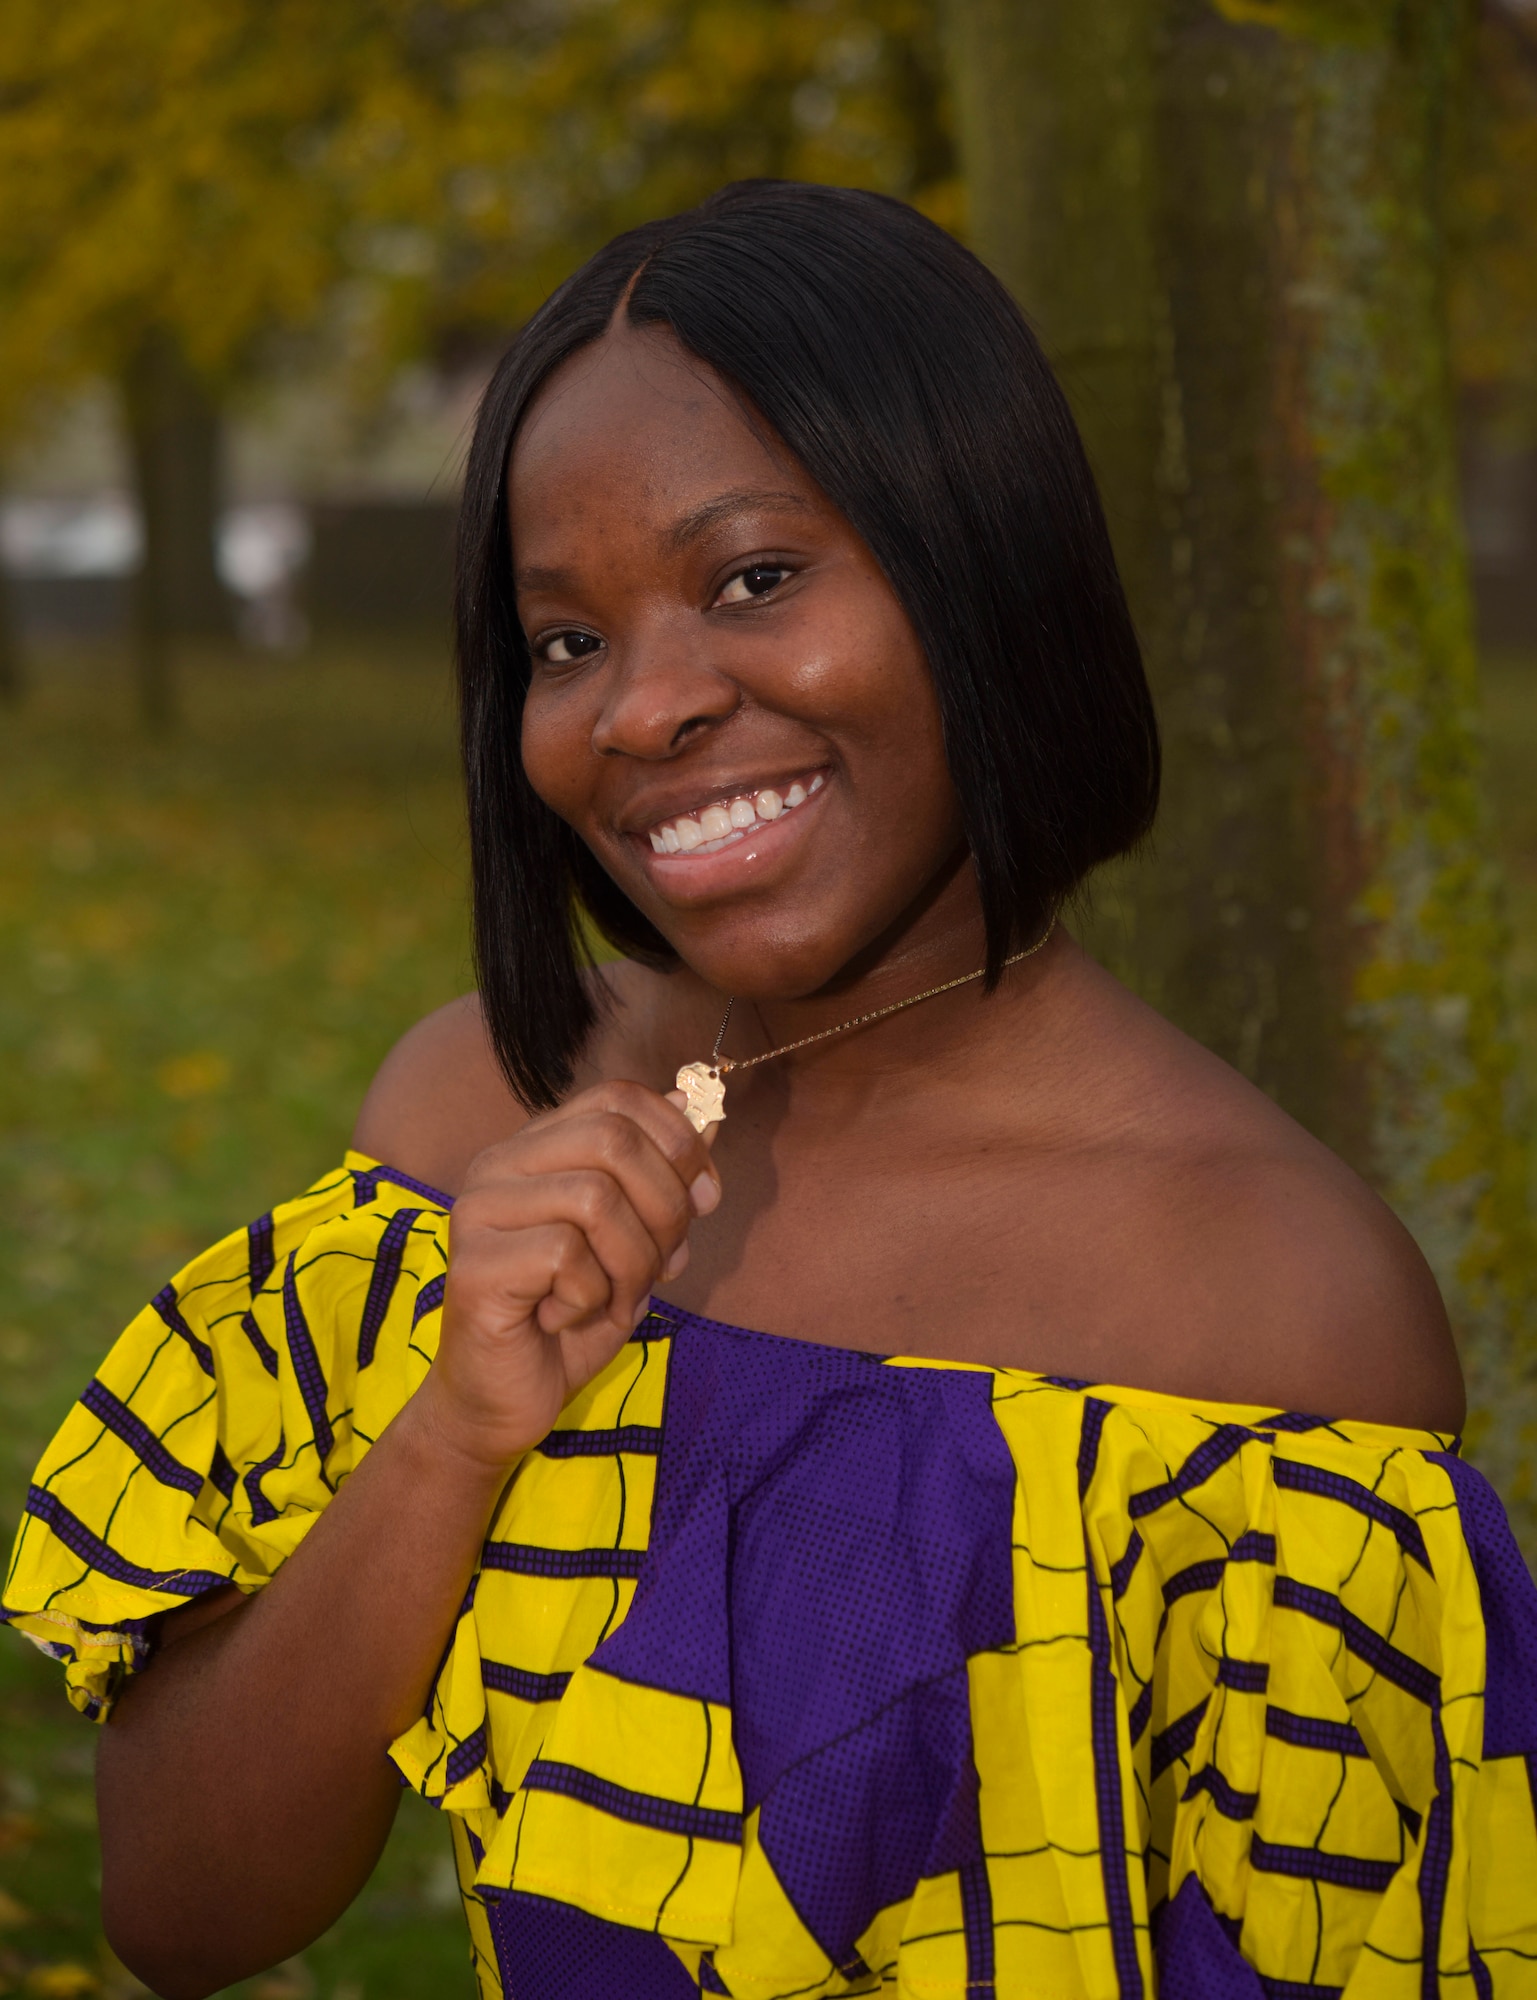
column 396, row 169
column 404, row 171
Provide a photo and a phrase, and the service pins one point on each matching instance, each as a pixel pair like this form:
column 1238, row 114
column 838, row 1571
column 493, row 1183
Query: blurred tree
column 117, row 212
column 596, row 115
column 1494, row 225
column 174, row 436
column 10, row 644
column 157, row 219
column 1229, row 222
column 178, row 185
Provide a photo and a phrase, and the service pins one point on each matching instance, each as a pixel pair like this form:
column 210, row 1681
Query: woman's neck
column 943, row 1037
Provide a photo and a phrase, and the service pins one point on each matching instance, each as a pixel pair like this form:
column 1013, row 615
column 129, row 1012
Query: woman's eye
column 562, row 648
column 750, row 583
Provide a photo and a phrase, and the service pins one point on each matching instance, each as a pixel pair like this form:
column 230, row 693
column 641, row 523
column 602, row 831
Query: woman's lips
column 714, row 866
column 706, row 831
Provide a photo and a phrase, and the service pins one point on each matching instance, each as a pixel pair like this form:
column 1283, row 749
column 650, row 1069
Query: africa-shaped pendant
column 705, row 1088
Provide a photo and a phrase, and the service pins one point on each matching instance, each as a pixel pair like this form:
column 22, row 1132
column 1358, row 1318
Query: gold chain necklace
column 704, row 1083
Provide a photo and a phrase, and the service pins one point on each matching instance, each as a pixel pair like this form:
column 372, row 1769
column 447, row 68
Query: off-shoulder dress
column 789, row 1670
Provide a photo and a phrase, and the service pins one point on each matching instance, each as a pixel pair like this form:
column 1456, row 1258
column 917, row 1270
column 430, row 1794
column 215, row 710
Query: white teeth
column 719, row 825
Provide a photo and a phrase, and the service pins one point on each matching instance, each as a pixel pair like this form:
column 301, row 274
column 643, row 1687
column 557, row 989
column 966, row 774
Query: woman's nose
column 659, row 695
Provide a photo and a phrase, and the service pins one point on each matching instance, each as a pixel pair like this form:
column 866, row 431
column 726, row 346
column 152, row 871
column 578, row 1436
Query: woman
column 755, row 1662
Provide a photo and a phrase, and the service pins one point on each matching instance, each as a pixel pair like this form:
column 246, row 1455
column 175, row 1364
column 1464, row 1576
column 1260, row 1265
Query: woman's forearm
column 243, row 1782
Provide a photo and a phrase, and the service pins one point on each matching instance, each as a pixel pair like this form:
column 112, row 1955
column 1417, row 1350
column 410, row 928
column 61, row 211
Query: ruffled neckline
column 1258, row 1417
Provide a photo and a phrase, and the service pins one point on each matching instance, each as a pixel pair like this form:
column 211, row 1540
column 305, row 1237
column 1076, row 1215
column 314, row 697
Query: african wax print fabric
column 793, row 1670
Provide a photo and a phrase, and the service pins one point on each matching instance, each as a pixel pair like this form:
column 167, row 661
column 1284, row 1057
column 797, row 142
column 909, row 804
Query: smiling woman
column 732, row 1529
column 818, row 441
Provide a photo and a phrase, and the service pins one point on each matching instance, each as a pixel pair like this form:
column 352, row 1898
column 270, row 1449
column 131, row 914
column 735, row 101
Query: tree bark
column 1224, row 216
column 174, row 436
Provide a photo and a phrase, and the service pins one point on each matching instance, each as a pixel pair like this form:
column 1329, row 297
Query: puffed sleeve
column 224, row 1419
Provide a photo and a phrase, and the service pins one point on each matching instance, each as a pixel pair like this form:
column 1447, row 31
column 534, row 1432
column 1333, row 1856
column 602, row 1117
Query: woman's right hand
column 556, row 1242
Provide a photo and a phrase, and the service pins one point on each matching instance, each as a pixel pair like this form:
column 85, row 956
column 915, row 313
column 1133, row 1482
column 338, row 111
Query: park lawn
column 208, row 944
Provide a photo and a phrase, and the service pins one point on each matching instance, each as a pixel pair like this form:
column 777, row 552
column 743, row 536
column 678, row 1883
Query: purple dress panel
column 548, row 1951
column 1510, row 1613
column 1198, row 1958
column 831, row 1542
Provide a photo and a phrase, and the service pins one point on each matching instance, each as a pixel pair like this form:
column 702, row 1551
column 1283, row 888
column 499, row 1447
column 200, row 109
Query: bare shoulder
column 1322, row 1299
column 1266, row 1270
column 440, row 1097
column 1345, row 1315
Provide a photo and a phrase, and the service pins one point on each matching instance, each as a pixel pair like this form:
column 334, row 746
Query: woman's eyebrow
column 688, row 527
column 531, row 577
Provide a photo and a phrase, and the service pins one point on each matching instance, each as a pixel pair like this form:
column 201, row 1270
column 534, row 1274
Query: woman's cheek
column 555, row 752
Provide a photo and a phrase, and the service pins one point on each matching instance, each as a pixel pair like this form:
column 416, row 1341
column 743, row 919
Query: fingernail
column 676, row 1097
column 704, row 1193
column 677, row 1263
column 641, row 1311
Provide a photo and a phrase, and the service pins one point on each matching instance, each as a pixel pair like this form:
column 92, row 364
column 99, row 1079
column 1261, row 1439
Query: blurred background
column 257, row 258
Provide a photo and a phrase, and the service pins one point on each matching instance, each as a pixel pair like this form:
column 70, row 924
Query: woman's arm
column 243, row 1782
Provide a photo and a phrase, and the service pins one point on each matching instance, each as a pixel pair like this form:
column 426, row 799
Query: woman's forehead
column 638, row 391
column 636, row 432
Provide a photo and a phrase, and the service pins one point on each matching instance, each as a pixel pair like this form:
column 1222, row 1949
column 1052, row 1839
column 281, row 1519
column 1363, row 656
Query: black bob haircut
column 904, row 378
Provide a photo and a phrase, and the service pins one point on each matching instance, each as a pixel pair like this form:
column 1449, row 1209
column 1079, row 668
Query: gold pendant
column 705, row 1089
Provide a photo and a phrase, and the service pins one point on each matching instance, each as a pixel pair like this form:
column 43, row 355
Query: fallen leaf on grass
column 65, row 1981
column 202, row 1074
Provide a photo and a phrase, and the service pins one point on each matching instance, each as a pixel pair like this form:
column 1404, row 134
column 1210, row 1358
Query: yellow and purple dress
column 789, row 1670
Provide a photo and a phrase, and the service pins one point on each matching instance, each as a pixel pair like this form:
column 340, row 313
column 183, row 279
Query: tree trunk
column 12, row 675
column 174, row 439
column 1224, row 219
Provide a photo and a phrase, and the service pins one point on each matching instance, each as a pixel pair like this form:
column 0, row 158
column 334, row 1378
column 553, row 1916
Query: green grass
column 208, row 944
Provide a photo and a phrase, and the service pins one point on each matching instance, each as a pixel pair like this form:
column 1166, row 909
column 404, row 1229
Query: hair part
column 905, row 379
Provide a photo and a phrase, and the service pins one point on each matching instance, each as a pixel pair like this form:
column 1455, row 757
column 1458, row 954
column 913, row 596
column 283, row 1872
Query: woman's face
column 727, row 700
